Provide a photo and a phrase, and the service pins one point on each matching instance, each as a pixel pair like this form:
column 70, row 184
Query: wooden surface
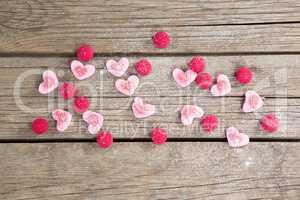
column 43, row 34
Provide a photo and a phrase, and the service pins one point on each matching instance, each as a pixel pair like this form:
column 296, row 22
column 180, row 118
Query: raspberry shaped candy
column 67, row 90
column 269, row 123
column 81, row 104
column 39, row 126
column 85, row 53
column 244, row 75
column 204, row 80
column 209, row 123
column 161, row 40
column 197, row 64
column 104, row 139
column 143, row 67
column 158, row 136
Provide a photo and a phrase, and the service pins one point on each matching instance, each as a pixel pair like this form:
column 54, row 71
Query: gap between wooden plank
column 137, row 140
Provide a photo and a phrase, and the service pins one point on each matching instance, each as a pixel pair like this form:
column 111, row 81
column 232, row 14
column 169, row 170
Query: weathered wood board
column 144, row 171
column 276, row 78
column 49, row 26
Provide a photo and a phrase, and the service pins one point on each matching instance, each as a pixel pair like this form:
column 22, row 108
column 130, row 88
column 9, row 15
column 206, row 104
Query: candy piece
column 222, row 87
column 209, row 123
column 49, row 83
column 252, row 101
column 143, row 67
column 104, row 139
column 141, row 110
column 85, row 53
column 184, row 79
column 269, row 123
column 204, row 80
column 117, row 68
column 128, row 86
column 197, row 64
column 243, row 75
column 189, row 113
column 63, row 119
column 67, row 90
column 81, row 104
column 158, row 136
column 39, row 126
column 94, row 121
column 81, row 71
column 235, row 138
column 161, row 40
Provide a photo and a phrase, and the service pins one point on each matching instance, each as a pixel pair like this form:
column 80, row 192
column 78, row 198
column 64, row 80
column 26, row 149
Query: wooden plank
column 48, row 26
column 275, row 75
column 15, row 119
column 142, row 171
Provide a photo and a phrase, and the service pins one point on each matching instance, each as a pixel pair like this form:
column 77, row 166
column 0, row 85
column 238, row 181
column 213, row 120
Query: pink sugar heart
column 189, row 113
column 94, row 121
column 252, row 101
column 222, row 87
column 141, row 110
column 63, row 119
column 184, row 79
column 128, row 86
column 235, row 138
column 117, row 68
column 82, row 71
column 49, row 83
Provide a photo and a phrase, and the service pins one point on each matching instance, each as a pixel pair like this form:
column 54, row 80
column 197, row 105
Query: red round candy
column 161, row 40
column 85, row 53
column 204, row 80
column 244, row 75
column 67, row 90
column 209, row 123
column 197, row 64
column 39, row 126
column 81, row 104
column 143, row 67
column 158, row 136
column 269, row 123
column 104, row 139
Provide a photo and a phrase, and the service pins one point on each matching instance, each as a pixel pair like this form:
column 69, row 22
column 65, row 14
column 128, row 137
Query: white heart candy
column 222, row 87
column 189, row 113
column 128, row 86
column 235, row 138
column 141, row 110
column 252, row 101
column 117, row 68
column 63, row 119
column 184, row 79
column 81, row 71
column 94, row 121
column 49, row 83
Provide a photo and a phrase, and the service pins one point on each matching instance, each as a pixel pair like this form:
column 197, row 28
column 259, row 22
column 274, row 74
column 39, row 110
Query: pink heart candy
column 81, row 71
column 184, row 79
column 141, row 110
column 94, row 121
column 49, row 83
column 252, row 101
column 128, row 86
column 117, row 68
column 222, row 87
column 189, row 113
column 235, row 138
column 63, row 119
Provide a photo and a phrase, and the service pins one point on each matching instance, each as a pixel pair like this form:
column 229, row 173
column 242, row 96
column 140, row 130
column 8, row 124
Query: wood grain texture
column 49, row 26
column 144, row 171
column 276, row 78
